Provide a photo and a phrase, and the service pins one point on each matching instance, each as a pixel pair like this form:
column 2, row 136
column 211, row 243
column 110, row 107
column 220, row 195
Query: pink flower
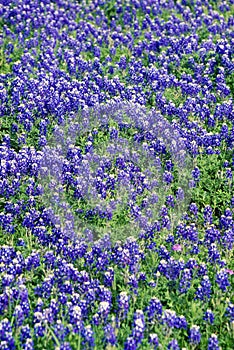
column 231, row 272
column 177, row 247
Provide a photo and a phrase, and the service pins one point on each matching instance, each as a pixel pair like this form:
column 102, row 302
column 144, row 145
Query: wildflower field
column 116, row 174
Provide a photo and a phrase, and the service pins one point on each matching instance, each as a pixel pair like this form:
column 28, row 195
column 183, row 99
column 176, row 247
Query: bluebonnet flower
column 202, row 270
column 191, row 233
column 222, row 280
column 152, row 284
column 49, row 258
column 195, row 249
column 130, row 344
column 196, row 174
column 230, row 311
column 212, row 235
column 207, row 214
column 110, row 336
column 213, row 253
column 181, row 230
column 19, row 315
column 170, row 239
column 173, row 345
column 166, row 223
column 171, row 268
column 25, row 333
column 88, row 336
column 181, row 322
column 194, row 335
column 192, row 184
column 39, row 329
column 29, row 345
column 141, row 276
column 6, row 337
column 96, row 319
column 213, row 343
column 209, row 316
column 193, row 209
column 185, row 281
column 232, row 202
column 154, row 309
column 75, row 317
column 229, row 173
column 228, row 236
column 170, row 201
column 169, row 165
column 103, row 310
column 104, row 294
column 109, row 277
column 32, row 261
column 64, row 346
column 180, row 194
column 153, row 340
column 204, row 290
column 60, row 330
column 163, row 253
column 138, row 326
column 168, row 177
column 169, row 318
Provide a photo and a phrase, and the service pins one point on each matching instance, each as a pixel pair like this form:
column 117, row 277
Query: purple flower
column 123, row 304
column 207, row 214
column 222, row 280
column 130, row 344
column 39, row 329
column 213, row 343
column 170, row 201
column 213, row 253
column 25, row 333
column 177, row 247
column 88, row 336
column 154, row 309
column 194, row 335
column 60, row 330
column 212, row 235
column 109, row 277
column 133, row 283
column 28, row 345
column 169, row 318
column 202, row 270
column 230, row 272
column 110, row 336
column 75, row 315
column 19, row 315
column 6, row 337
column 204, row 290
column 96, row 319
column 171, row 268
column 196, row 174
column 185, row 281
column 209, row 316
column 168, row 177
column 138, row 326
column 104, row 309
column 193, row 209
column 230, row 312
column 181, row 322
column 173, row 345
column 180, row 194
column 153, row 340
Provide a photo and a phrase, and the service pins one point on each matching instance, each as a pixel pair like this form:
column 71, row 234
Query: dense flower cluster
column 116, row 174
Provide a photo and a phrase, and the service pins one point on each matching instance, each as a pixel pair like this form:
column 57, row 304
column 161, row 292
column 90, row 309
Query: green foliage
column 214, row 188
